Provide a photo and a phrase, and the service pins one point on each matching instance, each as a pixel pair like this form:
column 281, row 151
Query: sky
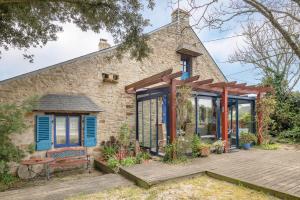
column 72, row 42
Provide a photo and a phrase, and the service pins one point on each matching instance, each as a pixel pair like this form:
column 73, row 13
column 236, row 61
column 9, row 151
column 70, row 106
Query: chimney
column 103, row 44
column 180, row 14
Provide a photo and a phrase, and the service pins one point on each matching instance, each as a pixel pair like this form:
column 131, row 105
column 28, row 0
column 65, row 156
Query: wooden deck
column 58, row 190
column 274, row 170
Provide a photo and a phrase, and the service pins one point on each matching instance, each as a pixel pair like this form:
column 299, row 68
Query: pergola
column 167, row 79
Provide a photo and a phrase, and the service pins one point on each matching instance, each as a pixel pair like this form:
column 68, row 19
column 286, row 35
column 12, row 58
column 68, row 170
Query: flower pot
column 204, row 152
column 247, row 146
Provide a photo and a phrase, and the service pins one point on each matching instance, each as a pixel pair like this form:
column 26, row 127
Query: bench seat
column 69, row 157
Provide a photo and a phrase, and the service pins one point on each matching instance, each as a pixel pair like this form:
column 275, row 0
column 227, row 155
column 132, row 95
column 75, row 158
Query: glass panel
column 74, row 130
column 232, row 123
column 245, row 118
column 207, row 115
column 162, row 126
column 146, row 122
column 60, row 126
column 153, row 125
column 140, row 121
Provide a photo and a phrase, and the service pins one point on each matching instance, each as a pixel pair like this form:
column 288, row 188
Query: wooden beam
column 222, row 84
column 240, row 85
column 188, row 80
column 175, row 75
column 224, row 117
column 203, row 82
column 172, row 111
column 149, row 80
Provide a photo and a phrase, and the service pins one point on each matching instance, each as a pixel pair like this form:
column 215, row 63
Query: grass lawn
column 202, row 187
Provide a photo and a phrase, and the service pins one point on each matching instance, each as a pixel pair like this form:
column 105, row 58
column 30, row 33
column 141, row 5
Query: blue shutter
column 90, row 131
column 43, row 132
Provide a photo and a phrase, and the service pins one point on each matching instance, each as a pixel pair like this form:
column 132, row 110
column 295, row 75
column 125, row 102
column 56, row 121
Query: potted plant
column 204, row 149
column 219, row 146
column 247, row 139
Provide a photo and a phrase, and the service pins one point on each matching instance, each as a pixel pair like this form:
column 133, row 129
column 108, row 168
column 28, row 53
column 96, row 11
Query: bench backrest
column 66, row 152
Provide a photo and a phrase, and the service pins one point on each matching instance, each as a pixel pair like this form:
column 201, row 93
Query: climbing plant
column 12, row 120
column 266, row 106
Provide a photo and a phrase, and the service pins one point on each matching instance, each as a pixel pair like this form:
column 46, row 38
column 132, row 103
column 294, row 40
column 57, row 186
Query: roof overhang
column 188, row 49
column 66, row 103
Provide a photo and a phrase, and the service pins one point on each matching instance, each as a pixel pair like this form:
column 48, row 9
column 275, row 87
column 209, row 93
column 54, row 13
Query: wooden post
column 172, row 111
column 259, row 119
column 224, row 107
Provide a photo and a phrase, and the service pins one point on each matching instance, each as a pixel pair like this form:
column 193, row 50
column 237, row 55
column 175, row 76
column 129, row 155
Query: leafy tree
column 32, row 23
column 12, row 120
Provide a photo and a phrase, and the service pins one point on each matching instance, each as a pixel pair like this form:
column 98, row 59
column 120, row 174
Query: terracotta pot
column 204, row 151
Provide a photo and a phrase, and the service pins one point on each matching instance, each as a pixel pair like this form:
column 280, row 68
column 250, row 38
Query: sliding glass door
column 152, row 123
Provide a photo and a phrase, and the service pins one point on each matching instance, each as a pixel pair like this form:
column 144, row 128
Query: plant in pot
column 247, row 139
column 204, row 149
column 219, row 146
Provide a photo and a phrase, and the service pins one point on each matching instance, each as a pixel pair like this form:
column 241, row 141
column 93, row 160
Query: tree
column 269, row 52
column 12, row 120
column 32, row 23
column 222, row 14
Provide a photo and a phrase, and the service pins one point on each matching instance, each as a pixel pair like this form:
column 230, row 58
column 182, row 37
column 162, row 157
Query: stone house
column 83, row 100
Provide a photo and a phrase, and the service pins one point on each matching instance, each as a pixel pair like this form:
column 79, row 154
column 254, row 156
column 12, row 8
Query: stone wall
column 83, row 75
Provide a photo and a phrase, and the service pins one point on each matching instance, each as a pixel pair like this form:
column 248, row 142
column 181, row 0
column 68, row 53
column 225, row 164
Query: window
column 207, row 115
column 186, row 64
column 67, row 131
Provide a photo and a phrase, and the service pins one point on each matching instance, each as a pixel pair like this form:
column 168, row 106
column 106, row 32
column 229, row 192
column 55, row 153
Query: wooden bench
column 69, row 157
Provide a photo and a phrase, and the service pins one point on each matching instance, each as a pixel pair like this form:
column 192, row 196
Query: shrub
column 124, row 135
column 31, row 148
column 267, row 146
column 170, row 149
column 247, row 138
column 108, row 152
column 12, row 120
column 291, row 135
column 195, row 145
column 128, row 161
column 113, row 163
column 219, row 146
column 140, row 157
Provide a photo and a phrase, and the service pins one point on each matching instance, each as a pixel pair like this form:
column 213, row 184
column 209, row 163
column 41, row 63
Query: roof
column 64, row 103
column 101, row 52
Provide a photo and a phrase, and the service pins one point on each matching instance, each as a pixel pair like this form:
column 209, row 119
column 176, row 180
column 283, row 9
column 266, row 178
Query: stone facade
column 83, row 75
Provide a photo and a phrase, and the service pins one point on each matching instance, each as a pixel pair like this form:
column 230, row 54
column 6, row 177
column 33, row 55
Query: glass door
column 152, row 124
column 233, row 123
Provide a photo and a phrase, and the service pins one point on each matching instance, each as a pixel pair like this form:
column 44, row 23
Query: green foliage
column 267, row 146
column 128, row 161
column 26, row 24
column 287, row 114
column 142, row 156
column 12, row 120
column 219, row 146
column 195, row 145
column 247, row 138
column 245, row 118
column 124, row 135
column 31, row 148
column 113, row 163
column 266, row 106
column 108, row 152
column 292, row 135
column 7, row 179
